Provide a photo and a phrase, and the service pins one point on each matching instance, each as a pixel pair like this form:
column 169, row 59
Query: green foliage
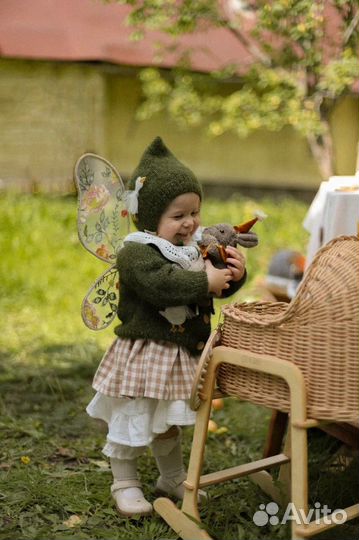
column 339, row 74
column 267, row 99
column 45, row 275
column 164, row 14
column 305, row 58
column 54, row 482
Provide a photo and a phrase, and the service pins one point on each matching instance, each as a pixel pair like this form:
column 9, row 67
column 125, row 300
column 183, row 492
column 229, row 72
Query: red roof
column 92, row 30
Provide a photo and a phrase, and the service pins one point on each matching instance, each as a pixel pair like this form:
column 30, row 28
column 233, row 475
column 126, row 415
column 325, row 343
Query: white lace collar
column 182, row 255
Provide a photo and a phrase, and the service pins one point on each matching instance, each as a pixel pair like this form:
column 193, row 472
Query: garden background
column 281, row 119
column 54, row 481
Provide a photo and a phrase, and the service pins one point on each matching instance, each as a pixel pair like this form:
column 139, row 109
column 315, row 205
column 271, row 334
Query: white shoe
column 129, row 498
column 175, row 488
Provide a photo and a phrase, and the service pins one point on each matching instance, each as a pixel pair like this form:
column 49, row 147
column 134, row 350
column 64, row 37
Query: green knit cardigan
column 149, row 283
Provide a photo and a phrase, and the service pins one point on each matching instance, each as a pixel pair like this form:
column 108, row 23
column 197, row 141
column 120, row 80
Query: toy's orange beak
column 245, row 227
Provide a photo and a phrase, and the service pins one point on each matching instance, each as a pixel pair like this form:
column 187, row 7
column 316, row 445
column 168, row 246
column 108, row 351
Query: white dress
column 143, row 387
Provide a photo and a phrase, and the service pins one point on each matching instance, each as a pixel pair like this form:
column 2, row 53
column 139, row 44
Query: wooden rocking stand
column 300, row 358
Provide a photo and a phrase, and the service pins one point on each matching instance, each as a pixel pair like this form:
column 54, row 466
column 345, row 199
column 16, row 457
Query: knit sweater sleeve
column 157, row 280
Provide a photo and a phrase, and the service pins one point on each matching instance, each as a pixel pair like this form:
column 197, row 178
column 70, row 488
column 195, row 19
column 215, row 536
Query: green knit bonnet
column 165, row 179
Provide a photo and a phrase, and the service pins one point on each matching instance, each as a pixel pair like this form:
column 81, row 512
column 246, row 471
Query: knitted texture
column 149, row 283
column 166, row 179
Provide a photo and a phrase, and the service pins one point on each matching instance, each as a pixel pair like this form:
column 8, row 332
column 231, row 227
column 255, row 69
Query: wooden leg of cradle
column 276, row 432
column 184, row 526
column 187, row 522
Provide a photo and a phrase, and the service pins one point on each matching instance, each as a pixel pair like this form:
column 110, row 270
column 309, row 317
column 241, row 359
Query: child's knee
column 173, row 431
column 101, row 425
column 163, row 446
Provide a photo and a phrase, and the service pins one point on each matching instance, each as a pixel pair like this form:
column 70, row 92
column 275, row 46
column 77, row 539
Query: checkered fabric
column 144, row 368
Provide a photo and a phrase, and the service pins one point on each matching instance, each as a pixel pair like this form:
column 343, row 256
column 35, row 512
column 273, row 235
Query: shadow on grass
column 47, row 388
column 64, row 360
column 52, row 467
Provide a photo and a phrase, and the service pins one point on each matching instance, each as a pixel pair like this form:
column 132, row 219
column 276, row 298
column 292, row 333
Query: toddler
column 144, row 380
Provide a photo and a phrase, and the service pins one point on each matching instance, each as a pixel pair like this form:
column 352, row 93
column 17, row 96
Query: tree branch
column 251, row 47
column 351, row 28
column 322, row 150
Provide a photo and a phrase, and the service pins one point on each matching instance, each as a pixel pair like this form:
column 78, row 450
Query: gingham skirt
column 143, row 388
column 144, row 368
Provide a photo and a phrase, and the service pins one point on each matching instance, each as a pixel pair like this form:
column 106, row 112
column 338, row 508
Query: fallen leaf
column 65, row 452
column 73, row 521
column 101, row 463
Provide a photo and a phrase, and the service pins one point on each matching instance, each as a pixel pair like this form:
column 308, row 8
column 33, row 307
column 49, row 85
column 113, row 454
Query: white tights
column 168, row 456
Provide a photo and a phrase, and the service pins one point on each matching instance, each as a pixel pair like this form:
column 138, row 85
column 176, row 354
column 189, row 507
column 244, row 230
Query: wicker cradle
column 318, row 331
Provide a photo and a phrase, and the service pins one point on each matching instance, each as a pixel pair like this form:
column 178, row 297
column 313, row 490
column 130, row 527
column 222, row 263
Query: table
column 333, row 212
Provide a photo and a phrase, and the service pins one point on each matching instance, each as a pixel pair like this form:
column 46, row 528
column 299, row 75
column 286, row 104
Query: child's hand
column 236, row 263
column 217, row 279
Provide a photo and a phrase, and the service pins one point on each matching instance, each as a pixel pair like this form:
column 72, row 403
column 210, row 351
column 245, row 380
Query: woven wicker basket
column 318, row 331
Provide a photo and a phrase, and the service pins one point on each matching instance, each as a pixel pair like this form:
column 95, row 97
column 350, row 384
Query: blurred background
column 276, row 109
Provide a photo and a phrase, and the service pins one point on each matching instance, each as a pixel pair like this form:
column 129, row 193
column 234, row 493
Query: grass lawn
column 54, row 481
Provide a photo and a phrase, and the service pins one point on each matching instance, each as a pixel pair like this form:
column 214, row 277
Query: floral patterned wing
column 103, row 220
column 99, row 306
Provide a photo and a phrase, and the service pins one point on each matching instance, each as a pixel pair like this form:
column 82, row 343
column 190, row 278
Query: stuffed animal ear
column 103, row 220
column 247, row 240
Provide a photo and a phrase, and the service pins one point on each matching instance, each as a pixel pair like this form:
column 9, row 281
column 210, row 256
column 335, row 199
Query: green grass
column 51, row 466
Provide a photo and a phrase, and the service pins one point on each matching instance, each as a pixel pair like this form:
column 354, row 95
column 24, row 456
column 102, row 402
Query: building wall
column 262, row 159
column 345, row 128
column 52, row 112
column 280, row 160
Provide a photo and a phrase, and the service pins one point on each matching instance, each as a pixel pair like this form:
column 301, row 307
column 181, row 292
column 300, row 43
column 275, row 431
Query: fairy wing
column 103, row 220
column 99, row 307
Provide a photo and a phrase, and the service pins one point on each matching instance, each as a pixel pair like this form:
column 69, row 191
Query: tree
column 305, row 59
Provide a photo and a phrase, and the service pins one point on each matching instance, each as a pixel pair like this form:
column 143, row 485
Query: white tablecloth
column 333, row 212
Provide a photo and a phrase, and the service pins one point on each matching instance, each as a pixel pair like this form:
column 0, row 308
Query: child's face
column 181, row 219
